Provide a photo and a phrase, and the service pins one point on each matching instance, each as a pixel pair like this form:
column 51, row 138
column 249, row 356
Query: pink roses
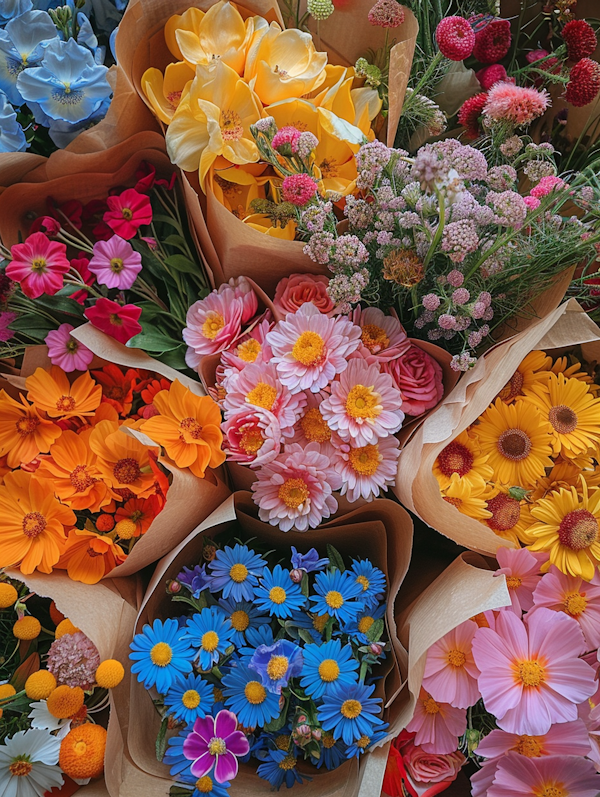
column 419, row 378
column 293, row 291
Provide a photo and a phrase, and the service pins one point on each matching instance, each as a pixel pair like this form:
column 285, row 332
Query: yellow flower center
column 80, row 478
column 529, row 746
column 513, row 582
column 456, row 658
column 513, row 388
column 328, row 740
column 430, row 706
column 575, row 603
column 328, row 168
column 374, row 338
column 514, row 444
column 315, row 427
column 127, row 213
column 277, row 595
column 277, row 667
column 240, row 620
column 38, row 265
column 174, row 98
column 255, row 693
column 563, row 419
column 363, row 402
column 251, row 440
column 213, row 325
column 116, row 265
column 161, row 654
column 191, row 427
column 262, row 395
column 232, row 128
column 210, row 641
column 293, row 493
column 363, row 742
column 334, row 599
column 126, row 529
column 28, row 425
column 329, row 670
column 65, row 404
column 552, row 790
column 191, row 699
column 34, row 524
column 20, row 769
column 365, row 623
column 249, row 350
column 204, row 785
column 365, row 460
column 351, row 709
column 319, row 622
column 217, row 746
column 530, row 673
column 309, row 349
column 127, row 470
column 364, row 582
column 289, row 762
column 80, row 748
column 578, row 530
column 238, row 572
column 282, row 742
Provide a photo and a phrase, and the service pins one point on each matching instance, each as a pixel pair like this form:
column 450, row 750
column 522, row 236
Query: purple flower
column 215, row 741
column 195, row 580
column 277, row 663
column 65, row 351
column 6, row 319
column 309, row 562
column 115, row 263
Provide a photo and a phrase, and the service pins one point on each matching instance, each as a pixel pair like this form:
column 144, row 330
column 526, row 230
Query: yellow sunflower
column 508, row 517
column 534, row 369
column 567, row 528
column 467, row 496
column 517, row 442
column 571, row 412
column 461, row 457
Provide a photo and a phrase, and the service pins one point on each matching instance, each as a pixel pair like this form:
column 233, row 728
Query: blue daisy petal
column 235, row 571
column 278, row 594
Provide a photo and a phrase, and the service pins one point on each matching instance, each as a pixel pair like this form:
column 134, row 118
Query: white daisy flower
column 28, row 764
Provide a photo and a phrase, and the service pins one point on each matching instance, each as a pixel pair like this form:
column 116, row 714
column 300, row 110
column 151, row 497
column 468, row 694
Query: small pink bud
column 296, row 575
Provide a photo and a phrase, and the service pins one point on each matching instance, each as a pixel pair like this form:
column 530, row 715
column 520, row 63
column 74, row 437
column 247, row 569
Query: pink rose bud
column 375, row 648
column 296, row 575
column 174, row 587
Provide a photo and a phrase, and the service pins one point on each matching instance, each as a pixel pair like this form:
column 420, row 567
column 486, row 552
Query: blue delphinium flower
column 235, row 571
column 277, row 663
column 68, row 85
column 248, row 698
column 350, row 712
column 279, row 768
column 160, row 655
column 196, row 580
column 178, row 764
column 333, row 752
column 359, row 625
column 372, row 581
column 263, row 635
column 210, row 632
column 363, row 743
column 9, row 9
column 278, row 594
column 12, row 137
column 336, row 595
column 22, row 47
column 309, row 562
column 326, row 666
column 242, row 615
column 189, row 698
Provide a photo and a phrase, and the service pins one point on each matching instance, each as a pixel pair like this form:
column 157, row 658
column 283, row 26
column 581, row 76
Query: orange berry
column 82, row 752
column 56, row 616
column 105, row 522
column 8, row 595
column 110, row 673
column 27, row 628
column 7, row 690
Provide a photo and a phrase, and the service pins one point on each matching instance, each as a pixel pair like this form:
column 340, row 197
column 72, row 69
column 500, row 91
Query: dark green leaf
column 304, row 585
column 176, row 240
column 181, row 263
column 277, row 723
column 375, row 631
column 335, row 559
column 305, row 636
column 154, row 342
column 175, row 359
column 161, row 739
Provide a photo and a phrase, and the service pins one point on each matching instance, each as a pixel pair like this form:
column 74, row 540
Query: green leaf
column 304, row 585
column 277, row 723
column 161, row 739
column 305, row 636
column 154, row 342
column 176, row 240
column 181, row 263
column 175, row 359
column 335, row 558
column 375, row 631
column 166, row 220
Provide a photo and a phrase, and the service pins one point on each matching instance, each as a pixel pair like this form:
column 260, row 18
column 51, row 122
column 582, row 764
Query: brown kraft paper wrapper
column 416, row 486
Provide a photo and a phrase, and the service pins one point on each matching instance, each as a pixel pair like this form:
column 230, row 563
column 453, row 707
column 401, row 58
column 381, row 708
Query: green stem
column 435, row 62
column 439, row 232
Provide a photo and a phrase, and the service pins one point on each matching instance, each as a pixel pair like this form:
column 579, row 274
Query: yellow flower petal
column 189, row 20
column 264, row 224
column 222, row 34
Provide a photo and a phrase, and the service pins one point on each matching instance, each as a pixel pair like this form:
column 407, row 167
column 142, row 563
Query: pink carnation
column 382, row 335
column 67, row 352
column 532, row 202
column 367, row 470
column 73, row 660
column 252, row 436
column 298, row 189
column 419, row 378
column 38, row 265
column 546, row 185
column 516, row 104
column 522, row 570
column 297, row 289
column 450, row 671
column 115, row 263
column 437, row 726
column 244, row 291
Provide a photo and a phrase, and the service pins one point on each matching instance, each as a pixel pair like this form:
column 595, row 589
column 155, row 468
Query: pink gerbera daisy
column 519, row 105
column 244, row 291
column 580, row 599
column 38, row 265
column 115, row 263
column 367, row 470
column 212, row 324
column 531, row 673
column 567, row 738
column 127, row 212
column 364, row 405
column 550, row 776
column 121, row 322
column 251, row 436
column 66, row 352
column 437, row 725
column 450, row 671
column 310, row 349
column 249, row 348
column 522, row 570
column 382, row 335
column 295, row 489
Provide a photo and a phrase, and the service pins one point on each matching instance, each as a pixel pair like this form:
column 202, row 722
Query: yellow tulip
column 164, row 93
column 189, row 20
column 214, row 119
column 283, row 64
column 357, row 106
column 236, row 186
column 265, row 225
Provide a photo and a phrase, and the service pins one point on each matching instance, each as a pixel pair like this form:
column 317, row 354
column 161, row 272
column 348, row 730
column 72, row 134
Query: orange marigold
column 122, row 461
column 82, row 752
column 23, row 432
column 51, row 391
column 117, row 387
column 88, row 556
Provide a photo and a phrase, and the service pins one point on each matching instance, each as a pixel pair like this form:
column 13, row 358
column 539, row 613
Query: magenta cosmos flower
column 66, row 352
column 437, row 725
column 38, row 265
column 214, row 741
column 115, row 263
column 118, row 321
column 366, row 470
column 550, row 776
column 6, row 319
column 213, row 324
column 310, row 349
column 364, row 405
column 450, row 672
column 531, row 673
column 127, row 212
column 522, row 570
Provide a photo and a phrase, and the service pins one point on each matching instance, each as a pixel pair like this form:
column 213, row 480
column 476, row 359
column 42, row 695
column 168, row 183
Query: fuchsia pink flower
column 450, row 672
column 298, row 189
column 436, row 725
column 286, row 137
column 297, row 289
column 215, row 742
column 455, row 38
column 38, row 265
column 546, row 185
column 517, row 104
column 67, row 352
column 115, row 263
column 127, row 212
column 492, row 42
column 118, row 321
column 6, row 319
column 564, row 775
column 522, row 570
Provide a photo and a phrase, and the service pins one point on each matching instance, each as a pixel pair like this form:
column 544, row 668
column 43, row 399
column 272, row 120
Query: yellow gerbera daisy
column 571, row 412
column 535, row 368
column 461, row 457
column 575, row 371
column 564, row 474
column 567, row 527
column 467, row 496
column 509, row 517
column 517, row 442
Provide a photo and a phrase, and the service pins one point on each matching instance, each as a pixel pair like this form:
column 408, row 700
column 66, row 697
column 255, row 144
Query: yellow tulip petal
column 187, row 137
column 264, row 224
column 340, row 128
column 241, row 151
column 153, row 87
column 222, row 35
column 189, row 20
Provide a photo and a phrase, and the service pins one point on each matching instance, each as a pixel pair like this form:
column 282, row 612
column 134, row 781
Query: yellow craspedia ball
column 126, row 528
column 110, row 674
column 65, row 627
column 40, row 685
column 8, row 595
column 6, row 690
column 65, row 701
column 27, row 628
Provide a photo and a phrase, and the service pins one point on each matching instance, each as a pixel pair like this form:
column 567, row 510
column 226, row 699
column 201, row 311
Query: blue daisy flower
column 372, row 581
column 208, row 786
column 277, row 663
column 336, row 595
column 235, row 571
column 160, row 654
column 333, row 752
column 242, row 615
column 278, row 594
column 279, row 768
column 357, row 628
column 179, row 765
column 363, row 743
column 263, row 635
column 195, row 580
column 210, row 632
column 308, row 622
column 189, row 698
column 248, row 698
column 309, row 562
column 350, row 712
column 326, row 666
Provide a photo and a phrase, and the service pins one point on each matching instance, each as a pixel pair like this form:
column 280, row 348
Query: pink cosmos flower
column 364, row 405
column 382, row 335
column 297, row 289
column 66, row 352
column 578, row 598
column 419, row 378
column 212, row 324
column 6, row 319
column 295, row 489
column 366, row 470
column 531, row 673
column 522, row 570
column 564, row 775
column 450, row 671
column 127, row 212
column 437, row 725
column 214, row 741
column 118, row 321
column 252, row 436
column 517, row 104
column 115, row 263
column 567, row 738
column 38, row 265
column 309, row 348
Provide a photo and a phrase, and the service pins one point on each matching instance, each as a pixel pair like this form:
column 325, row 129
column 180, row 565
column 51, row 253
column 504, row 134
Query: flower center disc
column 309, row 349
column 293, row 493
column 531, row 673
column 513, row 582
column 455, row 458
column 238, row 572
column 34, row 524
column 575, row 604
column 161, row 654
column 513, row 388
column 365, row 460
column 191, row 427
column 231, row 126
column 213, row 325
column 20, row 769
column 514, row 444
column 262, row 395
column 204, row 785
column 255, row 693
column 277, row 595
column 65, row 404
column 249, row 350
column 364, row 624
column 456, row 658
column 277, row 667
column 363, row 402
column 529, row 746
column 191, row 699
column 240, row 620
column 506, row 512
column 329, row 670
column 563, row 419
column 27, row 426
column 351, row 709
column 251, row 440
column 374, row 338
column 314, row 427
column 334, row 599
column 217, row 746
column 126, row 471
column 578, row 530
column 80, row 478
column 210, row 641
column 430, row 706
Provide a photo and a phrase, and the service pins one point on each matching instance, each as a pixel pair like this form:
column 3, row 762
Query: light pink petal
column 483, row 779
column 573, row 680
column 496, row 744
column 568, row 738
column 554, row 635
column 531, row 716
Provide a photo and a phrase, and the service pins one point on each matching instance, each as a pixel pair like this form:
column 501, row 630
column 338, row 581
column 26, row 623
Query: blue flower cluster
column 291, row 652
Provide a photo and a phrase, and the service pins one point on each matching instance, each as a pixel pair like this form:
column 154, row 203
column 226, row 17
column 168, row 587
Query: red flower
column 455, row 38
column 471, row 110
column 38, row 265
column 118, row 321
column 584, row 83
column 80, row 264
column 492, row 42
column 47, row 225
column 580, row 39
column 72, row 209
column 491, row 74
column 128, row 212
column 150, row 389
column 117, row 387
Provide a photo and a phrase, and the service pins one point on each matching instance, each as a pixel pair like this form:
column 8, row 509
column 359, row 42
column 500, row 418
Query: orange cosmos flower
column 140, row 511
column 23, row 432
column 51, row 391
column 88, row 556
column 75, row 479
column 188, row 427
column 32, row 524
column 117, row 387
column 122, row 461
